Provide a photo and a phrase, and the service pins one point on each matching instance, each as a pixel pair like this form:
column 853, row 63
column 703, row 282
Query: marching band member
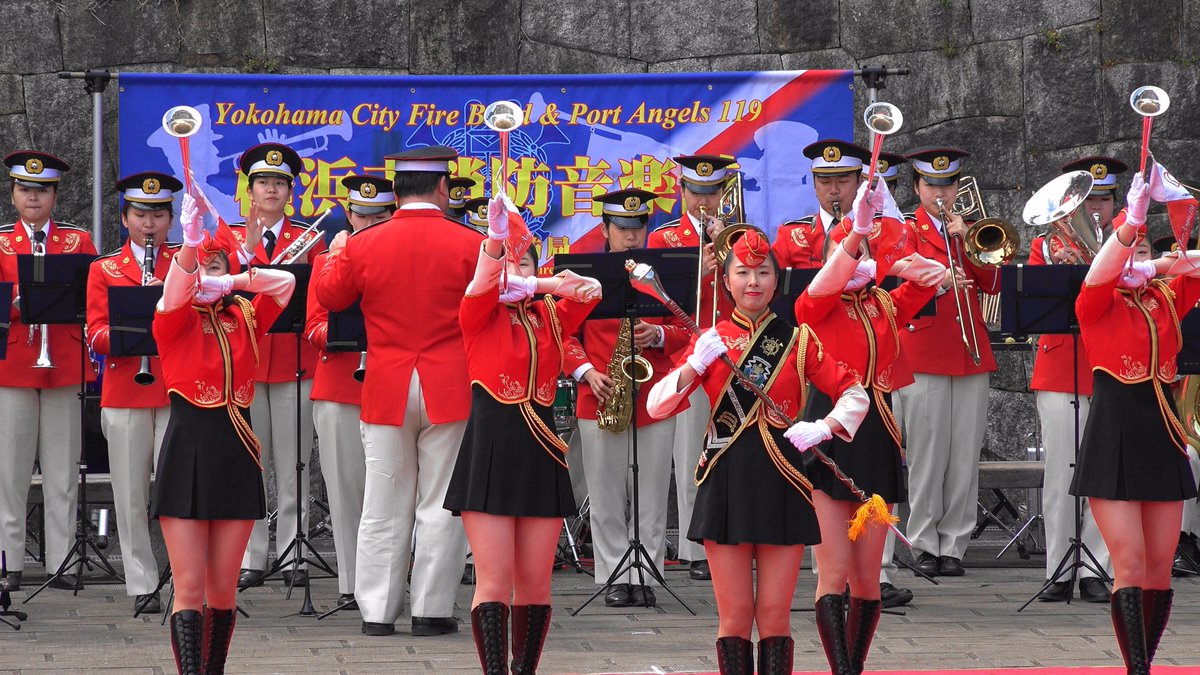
column 337, row 396
column 460, row 192
column 1133, row 465
column 416, row 396
column 510, row 484
column 837, row 172
column 702, row 180
column 1053, row 384
column 605, row 441
column 271, row 170
column 40, row 405
column 754, row 505
column 134, row 416
column 860, row 324
column 208, row 486
column 945, row 409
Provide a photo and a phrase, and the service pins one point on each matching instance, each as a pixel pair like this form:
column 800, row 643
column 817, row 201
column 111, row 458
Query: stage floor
column 965, row 623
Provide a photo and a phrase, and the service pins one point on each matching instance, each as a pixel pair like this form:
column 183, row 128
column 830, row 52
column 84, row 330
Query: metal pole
column 874, row 77
column 95, row 82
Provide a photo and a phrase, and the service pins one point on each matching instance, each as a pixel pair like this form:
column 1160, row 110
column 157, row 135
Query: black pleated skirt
column 1126, row 452
column 872, row 459
column 204, row 470
column 745, row 500
column 502, row 469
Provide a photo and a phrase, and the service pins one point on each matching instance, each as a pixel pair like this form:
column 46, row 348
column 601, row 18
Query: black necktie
column 269, row 244
column 39, row 236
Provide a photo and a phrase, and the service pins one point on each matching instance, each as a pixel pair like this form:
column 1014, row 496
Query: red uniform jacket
column 680, row 234
column 862, row 330
column 278, row 363
column 801, row 243
column 516, row 352
column 120, row 268
column 334, row 380
column 1055, row 360
column 599, row 338
column 933, row 344
column 412, row 272
column 66, row 341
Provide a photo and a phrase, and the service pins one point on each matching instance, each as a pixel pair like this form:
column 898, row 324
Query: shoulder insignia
column 6, row 245
column 672, row 223
column 459, row 223
column 71, row 226
column 806, row 221
column 111, row 254
column 910, row 215
column 173, row 247
column 111, row 267
column 237, row 224
column 7, row 228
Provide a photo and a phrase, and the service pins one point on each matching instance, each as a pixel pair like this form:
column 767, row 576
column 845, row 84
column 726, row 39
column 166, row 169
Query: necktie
column 39, row 237
column 269, row 244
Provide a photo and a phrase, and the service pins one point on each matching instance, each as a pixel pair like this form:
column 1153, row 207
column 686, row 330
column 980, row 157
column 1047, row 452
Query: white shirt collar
column 29, row 229
column 277, row 228
column 826, row 219
column 412, row 206
column 139, row 252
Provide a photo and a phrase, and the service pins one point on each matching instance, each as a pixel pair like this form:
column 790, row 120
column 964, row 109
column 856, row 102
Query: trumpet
column 1149, row 102
column 144, row 376
column 1056, row 205
column 43, row 357
column 303, row 244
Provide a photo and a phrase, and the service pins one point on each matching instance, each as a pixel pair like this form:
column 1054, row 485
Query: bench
column 99, row 491
column 1009, row 475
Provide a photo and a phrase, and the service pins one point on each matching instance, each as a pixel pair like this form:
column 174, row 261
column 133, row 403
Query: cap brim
column 939, row 181
column 626, row 222
column 149, row 206
column 701, row 188
column 36, row 185
column 362, row 210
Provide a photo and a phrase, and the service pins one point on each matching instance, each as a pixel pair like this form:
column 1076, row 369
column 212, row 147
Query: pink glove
column 863, row 274
column 863, row 212
column 709, row 347
column 1137, row 274
column 517, row 288
column 213, row 288
column 1137, row 202
column 804, row 435
column 189, row 218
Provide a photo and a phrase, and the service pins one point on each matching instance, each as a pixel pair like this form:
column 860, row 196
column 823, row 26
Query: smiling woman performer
column 754, row 505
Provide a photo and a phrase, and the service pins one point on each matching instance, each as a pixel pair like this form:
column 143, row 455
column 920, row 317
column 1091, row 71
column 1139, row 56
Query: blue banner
column 584, row 135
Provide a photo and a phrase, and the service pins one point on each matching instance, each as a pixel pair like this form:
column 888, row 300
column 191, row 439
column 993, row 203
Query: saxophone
column 624, row 368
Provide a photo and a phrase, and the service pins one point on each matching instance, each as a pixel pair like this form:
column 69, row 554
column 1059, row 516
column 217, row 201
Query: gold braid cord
column 245, row 433
column 1174, row 428
column 550, row 442
column 786, row 469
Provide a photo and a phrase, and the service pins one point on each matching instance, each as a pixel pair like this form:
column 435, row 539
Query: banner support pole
column 94, row 83
column 875, row 76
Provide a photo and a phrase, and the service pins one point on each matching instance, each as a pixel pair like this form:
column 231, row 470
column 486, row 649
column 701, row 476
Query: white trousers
column 690, row 426
column 273, row 417
column 945, row 418
column 1057, row 416
column 607, row 457
column 345, row 471
column 41, row 424
column 408, row 470
column 134, row 438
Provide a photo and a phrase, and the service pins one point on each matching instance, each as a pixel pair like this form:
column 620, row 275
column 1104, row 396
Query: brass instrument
column 624, row 368
column 1056, row 205
column 835, row 208
column 307, row 239
column 726, row 238
column 701, row 234
column 503, row 117
column 144, row 376
column 971, row 342
column 43, row 357
column 989, row 240
column 1149, row 102
column 733, row 203
column 360, row 373
column 1187, row 400
column 884, row 119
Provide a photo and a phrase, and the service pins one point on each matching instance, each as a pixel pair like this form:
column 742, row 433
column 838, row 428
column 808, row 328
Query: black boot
column 775, row 655
column 1127, row 619
column 861, row 620
column 1156, row 609
column 831, row 626
column 489, row 626
column 735, row 656
column 530, row 624
column 186, row 627
column 218, row 631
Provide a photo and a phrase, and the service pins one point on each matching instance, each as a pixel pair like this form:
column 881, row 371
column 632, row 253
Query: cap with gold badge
column 149, row 190
column 1104, row 171
column 628, row 209
column 33, row 169
column 272, row 159
column 369, row 195
column 888, row 166
column 460, row 192
column 429, row 159
column 477, row 212
column 937, row 165
column 704, row 174
column 831, row 157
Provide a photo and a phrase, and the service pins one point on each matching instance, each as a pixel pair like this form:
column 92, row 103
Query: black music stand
column 1040, row 299
column 6, row 296
column 677, row 271
column 53, row 292
column 1188, row 362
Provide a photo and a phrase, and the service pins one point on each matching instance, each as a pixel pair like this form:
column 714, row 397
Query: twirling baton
column 873, row 510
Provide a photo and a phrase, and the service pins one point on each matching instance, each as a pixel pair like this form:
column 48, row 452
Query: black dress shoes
column 927, row 564
column 347, row 601
column 378, row 629
column 1058, row 591
column 66, row 582
column 642, row 596
column 147, row 603
column 949, row 566
column 618, row 596
column 301, row 578
column 698, row 570
column 891, row 596
column 434, row 625
column 1092, row 589
column 248, row 578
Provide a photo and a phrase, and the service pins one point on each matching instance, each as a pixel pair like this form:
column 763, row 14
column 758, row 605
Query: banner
column 584, row 135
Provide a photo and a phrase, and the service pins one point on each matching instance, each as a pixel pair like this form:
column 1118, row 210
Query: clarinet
column 144, row 376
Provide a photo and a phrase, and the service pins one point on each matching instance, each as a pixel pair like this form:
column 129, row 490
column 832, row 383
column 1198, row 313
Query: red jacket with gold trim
column 120, row 268
column 682, row 233
column 66, row 341
column 1055, row 360
column 801, row 243
column 334, row 378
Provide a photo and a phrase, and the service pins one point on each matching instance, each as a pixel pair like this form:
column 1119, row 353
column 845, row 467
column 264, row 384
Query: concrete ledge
column 1002, row 475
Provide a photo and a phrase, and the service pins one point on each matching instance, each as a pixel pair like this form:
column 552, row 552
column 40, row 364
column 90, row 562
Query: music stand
column 1040, row 299
column 53, row 292
column 6, row 296
column 1188, row 362
column 677, row 271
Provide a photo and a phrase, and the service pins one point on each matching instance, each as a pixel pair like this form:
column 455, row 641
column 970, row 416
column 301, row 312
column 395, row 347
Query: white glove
column 497, row 218
column 709, row 347
column 213, row 288
column 518, row 288
column 863, row 274
column 1137, row 274
column 863, row 212
column 1137, row 201
column 189, row 218
column 804, row 435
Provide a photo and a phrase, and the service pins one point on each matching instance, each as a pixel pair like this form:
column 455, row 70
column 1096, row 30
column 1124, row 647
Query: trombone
column 732, row 210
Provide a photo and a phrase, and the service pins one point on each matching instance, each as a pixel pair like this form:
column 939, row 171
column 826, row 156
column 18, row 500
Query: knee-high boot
column 831, row 626
column 861, row 620
column 1127, row 619
column 1156, row 609
column 186, row 628
column 530, row 624
column 218, row 631
column 775, row 655
column 489, row 627
column 735, row 656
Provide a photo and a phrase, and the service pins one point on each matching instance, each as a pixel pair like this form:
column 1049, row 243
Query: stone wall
column 1024, row 84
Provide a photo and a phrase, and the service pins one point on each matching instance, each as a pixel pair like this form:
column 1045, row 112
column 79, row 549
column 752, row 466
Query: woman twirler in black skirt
column 858, row 322
column 208, row 488
column 1133, row 465
column 510, row 482
column 754, row 504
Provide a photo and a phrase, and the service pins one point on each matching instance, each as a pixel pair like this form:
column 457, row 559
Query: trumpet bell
column 503, row 116
column 1057, row 199
column 182, row 121
column 1149, row 101
column 726, row 238
column 991, row 241
column 883, row 118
